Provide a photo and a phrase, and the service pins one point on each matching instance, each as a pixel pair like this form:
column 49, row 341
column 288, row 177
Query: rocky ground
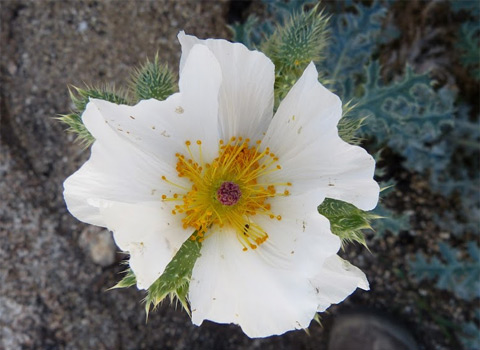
column 55, row 270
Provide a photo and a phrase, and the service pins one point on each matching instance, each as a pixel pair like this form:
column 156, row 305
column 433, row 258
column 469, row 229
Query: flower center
column 228, row 191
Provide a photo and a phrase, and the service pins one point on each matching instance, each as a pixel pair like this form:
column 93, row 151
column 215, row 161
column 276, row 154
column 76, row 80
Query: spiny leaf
column 293, row 45
column 348, row 127
column 153, row 80
column 127, row 281
column 175, row 280
column 299, row 41
column 346, row 220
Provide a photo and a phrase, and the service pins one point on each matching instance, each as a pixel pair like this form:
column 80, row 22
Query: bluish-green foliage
column 452, row 274
column 406, row 114
column 354, row 39
column 469, row 334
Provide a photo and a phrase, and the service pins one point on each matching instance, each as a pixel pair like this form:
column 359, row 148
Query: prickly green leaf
column 348, row 127
column 175, row 279
column 346, row 220
column 153, row 80
column 80, row 98
column 127, row 281
column 293, row 45
column 299, row 41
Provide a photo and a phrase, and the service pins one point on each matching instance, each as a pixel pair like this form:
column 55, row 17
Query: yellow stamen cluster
column 237, row 163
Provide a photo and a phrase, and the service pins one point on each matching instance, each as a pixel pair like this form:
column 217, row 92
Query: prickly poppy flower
column 213, row 160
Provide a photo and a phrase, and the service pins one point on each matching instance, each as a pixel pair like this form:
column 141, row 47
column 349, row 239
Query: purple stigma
column 228, row 193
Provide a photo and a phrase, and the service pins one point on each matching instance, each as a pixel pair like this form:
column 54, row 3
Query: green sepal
column 346, row 220
column 80, row 98
column 127, row 281
column 153, row 80
column 175, row 280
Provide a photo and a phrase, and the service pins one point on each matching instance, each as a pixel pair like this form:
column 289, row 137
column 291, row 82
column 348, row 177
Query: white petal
column 304, row 136
column 149, row 232
column 337, row 280
column 230, row 285
column 302, row 238
column 136, row 145
column 116, row 171
column 246, row 93
column 266, row 291
column 162, row 127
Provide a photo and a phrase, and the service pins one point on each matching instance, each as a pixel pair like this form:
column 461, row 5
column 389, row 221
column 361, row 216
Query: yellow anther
column 237, row 162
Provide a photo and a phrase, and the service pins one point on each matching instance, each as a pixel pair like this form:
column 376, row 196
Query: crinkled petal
column 162, row 127
column 337, row 280
column 302, row 232
column 230, row 285
column 136, row 145
column 267, row 290
column 246, row 94
column 315, row 156
column 148, row 232
column 130, row 176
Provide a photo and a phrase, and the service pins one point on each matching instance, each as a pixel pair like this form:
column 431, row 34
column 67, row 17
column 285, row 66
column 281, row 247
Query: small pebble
column 99, row 245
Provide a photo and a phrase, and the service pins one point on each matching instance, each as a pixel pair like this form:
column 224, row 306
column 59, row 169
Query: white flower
column 211, row 158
